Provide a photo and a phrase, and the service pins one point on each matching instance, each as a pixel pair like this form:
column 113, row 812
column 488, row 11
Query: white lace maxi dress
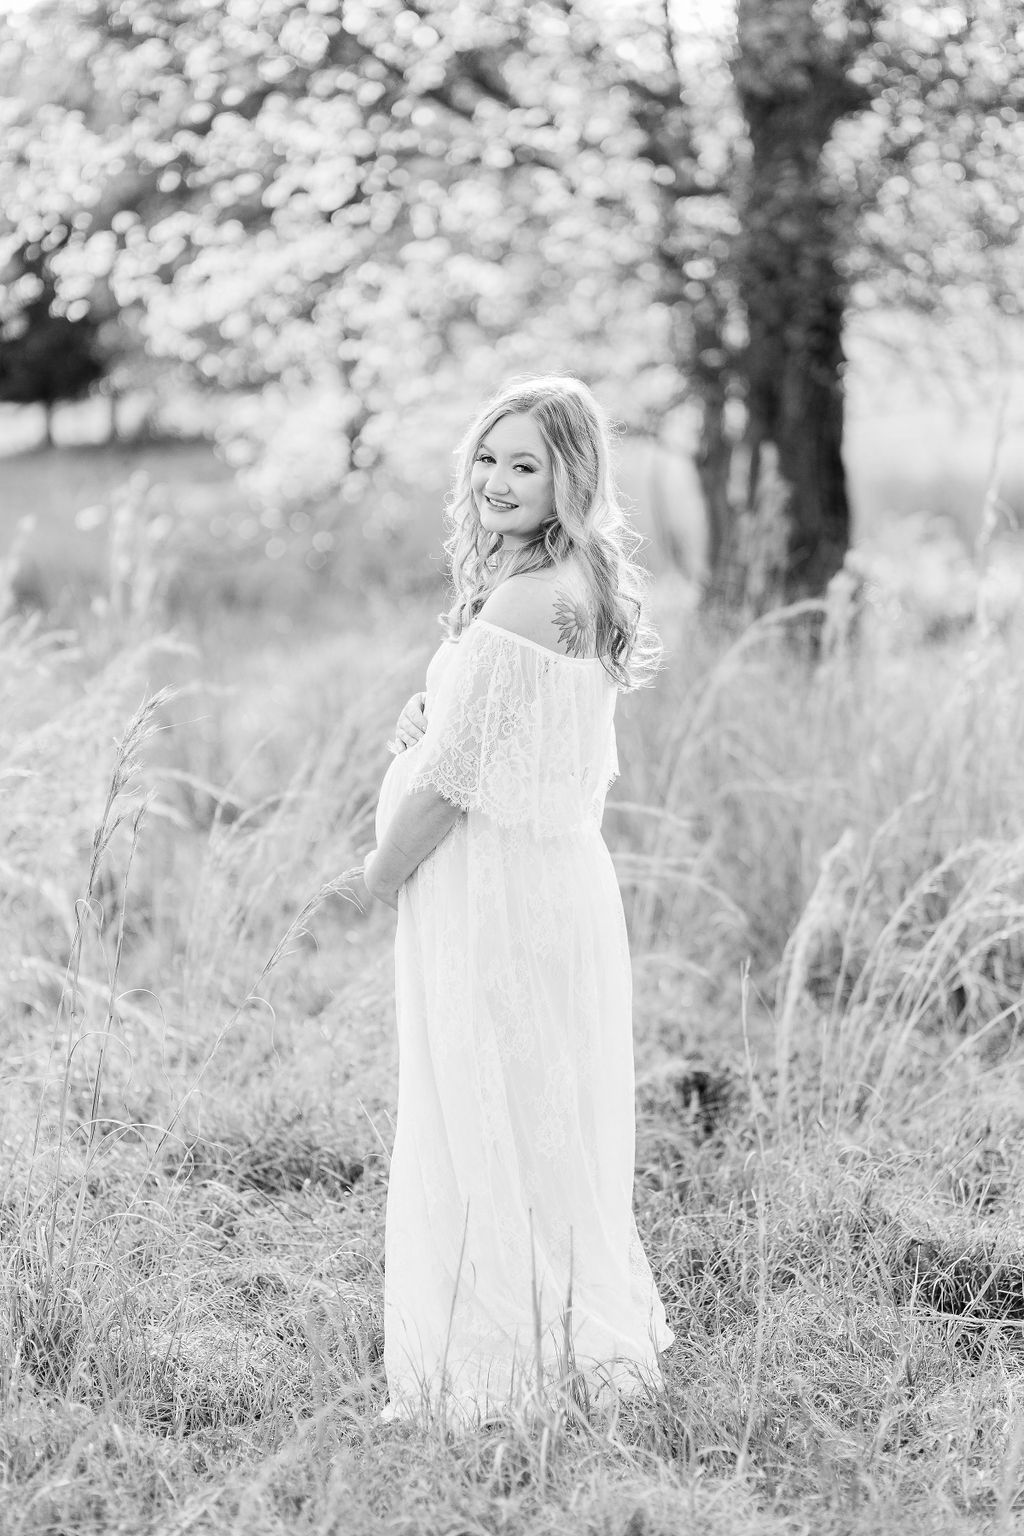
column 512, row 1169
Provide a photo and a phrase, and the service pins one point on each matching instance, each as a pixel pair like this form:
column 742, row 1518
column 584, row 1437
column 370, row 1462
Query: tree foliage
column 46, row 355
column 352, row 217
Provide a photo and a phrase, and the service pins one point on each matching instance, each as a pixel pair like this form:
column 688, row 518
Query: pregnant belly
column 393, row 788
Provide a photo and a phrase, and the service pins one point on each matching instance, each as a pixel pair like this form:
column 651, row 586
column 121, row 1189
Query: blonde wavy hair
column 587, row 521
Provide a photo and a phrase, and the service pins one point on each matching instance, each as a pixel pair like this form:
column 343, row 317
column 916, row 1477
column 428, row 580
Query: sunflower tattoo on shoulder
column 576, row 622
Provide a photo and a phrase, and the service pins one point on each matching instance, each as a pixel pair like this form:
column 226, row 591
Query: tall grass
column 821, row 862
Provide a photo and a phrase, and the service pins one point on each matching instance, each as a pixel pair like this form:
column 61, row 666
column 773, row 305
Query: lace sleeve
column 505, row 734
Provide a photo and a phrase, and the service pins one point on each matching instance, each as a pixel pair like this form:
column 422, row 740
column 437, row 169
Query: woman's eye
column 527, row 467
column 484, row 458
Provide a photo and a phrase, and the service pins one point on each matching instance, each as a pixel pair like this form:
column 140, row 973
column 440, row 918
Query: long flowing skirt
column 512, row 1259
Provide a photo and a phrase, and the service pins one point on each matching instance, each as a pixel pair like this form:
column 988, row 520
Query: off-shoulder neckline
column 535, row 645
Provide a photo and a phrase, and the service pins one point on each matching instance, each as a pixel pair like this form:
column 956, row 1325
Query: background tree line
column 344, row 217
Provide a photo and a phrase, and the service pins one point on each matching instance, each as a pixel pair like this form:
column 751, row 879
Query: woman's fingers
column 412, row 722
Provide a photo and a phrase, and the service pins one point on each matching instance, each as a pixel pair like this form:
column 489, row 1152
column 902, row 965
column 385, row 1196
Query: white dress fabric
column 511, row 1251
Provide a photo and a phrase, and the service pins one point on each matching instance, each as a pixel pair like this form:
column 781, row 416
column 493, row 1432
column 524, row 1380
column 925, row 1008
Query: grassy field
column 823, row 873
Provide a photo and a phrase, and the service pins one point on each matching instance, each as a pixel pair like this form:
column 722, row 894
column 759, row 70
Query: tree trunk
column 48, row 423
column 714, row 448
column 790, row 525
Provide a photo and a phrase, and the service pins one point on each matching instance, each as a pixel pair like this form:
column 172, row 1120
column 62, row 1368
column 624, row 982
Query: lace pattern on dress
column 511, row 733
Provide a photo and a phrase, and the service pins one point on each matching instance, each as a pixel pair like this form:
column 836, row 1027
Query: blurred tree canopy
column 45, row 356
column 342, row 212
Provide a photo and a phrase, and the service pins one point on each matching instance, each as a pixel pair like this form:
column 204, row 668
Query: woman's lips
column 501, row 506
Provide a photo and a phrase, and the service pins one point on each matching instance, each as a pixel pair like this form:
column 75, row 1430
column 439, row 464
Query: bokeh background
column 259, row 262
column 293, row 245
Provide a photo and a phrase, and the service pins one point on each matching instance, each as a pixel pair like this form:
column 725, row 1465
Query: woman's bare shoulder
column 552, row 608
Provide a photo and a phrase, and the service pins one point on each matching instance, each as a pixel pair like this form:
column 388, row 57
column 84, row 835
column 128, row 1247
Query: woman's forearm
column 421, row 820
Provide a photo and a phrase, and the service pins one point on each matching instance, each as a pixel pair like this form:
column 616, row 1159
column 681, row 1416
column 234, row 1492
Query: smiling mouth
column 501, row 506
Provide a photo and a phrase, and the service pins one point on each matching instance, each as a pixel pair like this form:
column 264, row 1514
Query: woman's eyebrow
column 522, row 453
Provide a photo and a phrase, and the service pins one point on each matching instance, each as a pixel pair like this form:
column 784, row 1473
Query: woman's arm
column 422, row 819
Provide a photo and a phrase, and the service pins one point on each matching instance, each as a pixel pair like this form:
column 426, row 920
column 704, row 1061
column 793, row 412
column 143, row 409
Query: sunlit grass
column 824, row 880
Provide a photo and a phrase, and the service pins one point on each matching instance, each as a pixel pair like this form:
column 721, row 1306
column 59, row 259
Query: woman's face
column 512, row 481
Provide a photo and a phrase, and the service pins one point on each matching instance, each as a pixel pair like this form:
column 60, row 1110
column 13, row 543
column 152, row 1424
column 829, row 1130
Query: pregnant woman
column 512, row 1261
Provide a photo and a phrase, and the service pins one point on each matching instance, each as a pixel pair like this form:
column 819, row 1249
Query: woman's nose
column 497, row 480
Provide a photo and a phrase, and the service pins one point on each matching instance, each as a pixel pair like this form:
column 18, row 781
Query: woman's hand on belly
column 412, row 723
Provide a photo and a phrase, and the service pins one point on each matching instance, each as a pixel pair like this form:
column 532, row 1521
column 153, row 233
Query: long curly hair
column 587, row 521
